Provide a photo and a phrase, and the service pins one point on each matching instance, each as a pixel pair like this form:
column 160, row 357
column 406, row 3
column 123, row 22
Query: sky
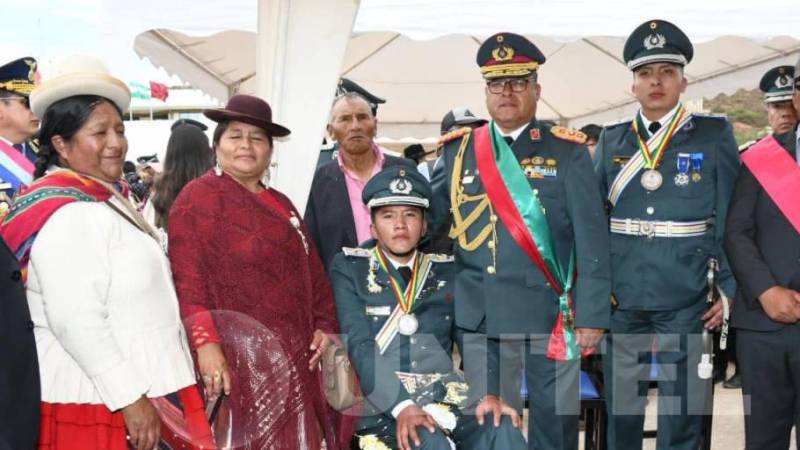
column 50, row 29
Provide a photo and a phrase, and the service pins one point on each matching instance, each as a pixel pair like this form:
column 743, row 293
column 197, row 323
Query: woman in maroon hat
column 237, row 248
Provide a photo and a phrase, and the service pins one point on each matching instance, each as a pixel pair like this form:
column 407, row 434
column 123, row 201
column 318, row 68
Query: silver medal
column 408, row 324
column 651, row 179
column 681, row 179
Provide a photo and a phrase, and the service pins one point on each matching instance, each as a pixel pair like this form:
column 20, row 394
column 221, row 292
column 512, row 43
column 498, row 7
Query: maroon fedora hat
column 248, row 109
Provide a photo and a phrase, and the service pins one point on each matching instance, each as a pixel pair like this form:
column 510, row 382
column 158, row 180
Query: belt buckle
column 647, row 229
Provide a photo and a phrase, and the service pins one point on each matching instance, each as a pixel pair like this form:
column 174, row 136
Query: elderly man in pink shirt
column 335, row 214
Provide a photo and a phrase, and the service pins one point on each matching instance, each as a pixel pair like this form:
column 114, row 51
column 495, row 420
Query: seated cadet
column 395, row 309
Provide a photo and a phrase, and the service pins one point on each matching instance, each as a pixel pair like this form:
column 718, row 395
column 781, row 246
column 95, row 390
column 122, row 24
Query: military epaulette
column 710, row 115
column 746, row 145
column 625, row 121
column 568, row 134
column 356, row 251
column 440, row 258
column 453, row 135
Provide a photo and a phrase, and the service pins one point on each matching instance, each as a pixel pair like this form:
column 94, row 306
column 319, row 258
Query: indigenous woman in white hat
column 239, row 246
column 105, row 314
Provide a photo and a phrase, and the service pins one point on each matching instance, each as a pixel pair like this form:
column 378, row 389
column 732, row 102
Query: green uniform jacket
column 661, row 274
column 516, row 298
column 362, row 313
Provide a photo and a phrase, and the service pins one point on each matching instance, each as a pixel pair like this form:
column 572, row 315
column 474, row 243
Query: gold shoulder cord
column 461, row 224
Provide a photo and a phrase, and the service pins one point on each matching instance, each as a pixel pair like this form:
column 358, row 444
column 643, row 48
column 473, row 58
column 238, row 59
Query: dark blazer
column 762, row 246
column 328, row 216
column 19, row 366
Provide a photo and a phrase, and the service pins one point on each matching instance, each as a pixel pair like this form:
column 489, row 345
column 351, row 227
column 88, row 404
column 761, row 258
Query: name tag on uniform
column 379, row 310
column 468, row 179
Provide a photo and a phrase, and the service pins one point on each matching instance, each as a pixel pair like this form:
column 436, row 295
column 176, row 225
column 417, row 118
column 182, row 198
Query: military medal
column 697, row 165
column 651, row 178
column 408, row 324
column 406, row 299
column 682, row 178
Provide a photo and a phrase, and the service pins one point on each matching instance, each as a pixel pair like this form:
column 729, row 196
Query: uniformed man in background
column 395, row 307
column 518, row 197
column 777, row 87
column 668, row 175
column 18, row 125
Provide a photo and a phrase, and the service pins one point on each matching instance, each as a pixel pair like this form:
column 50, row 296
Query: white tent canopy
column 301, row 50
column 584, row 79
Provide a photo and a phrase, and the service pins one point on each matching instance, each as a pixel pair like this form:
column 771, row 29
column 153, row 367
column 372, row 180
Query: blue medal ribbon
column 683, row 163
column 697, row 162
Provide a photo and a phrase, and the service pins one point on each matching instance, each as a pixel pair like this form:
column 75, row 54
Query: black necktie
column 653, row 127
column 405, row 272
column 509, row 140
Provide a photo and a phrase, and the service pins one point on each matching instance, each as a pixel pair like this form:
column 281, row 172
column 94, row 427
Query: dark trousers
column 675, row 336
column 553, row 398
column 553, row 389
column 467, row 435
column 769, row 362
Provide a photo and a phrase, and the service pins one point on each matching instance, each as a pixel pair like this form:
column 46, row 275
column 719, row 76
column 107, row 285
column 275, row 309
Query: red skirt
column 69, row 426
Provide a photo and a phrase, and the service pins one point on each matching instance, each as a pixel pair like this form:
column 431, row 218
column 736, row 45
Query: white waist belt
column 655, row 228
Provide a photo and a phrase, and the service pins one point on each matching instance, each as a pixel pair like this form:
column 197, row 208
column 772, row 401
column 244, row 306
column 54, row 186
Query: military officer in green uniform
column 518, row 197
column 668, row 175
column 777, row 87
column 395, row 307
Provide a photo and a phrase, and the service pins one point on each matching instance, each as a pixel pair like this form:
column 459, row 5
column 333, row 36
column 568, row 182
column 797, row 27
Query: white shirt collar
column 663, row 120
column 395, row 264
column 514, row 134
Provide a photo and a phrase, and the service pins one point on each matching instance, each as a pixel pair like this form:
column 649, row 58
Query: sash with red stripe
column 778, row 174
column 527, row 225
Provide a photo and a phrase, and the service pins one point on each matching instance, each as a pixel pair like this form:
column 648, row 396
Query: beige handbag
column 339, row 379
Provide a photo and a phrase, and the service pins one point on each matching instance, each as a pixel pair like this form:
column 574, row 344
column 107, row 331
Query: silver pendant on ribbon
column 682, row 177
column 651, row 179
column 408, row 324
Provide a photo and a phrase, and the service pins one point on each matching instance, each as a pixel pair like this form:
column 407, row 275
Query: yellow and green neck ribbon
column 405, row 298
column 652, row 158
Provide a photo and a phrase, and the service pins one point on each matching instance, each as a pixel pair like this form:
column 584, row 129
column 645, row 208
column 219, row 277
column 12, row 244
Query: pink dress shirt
column 355, row 187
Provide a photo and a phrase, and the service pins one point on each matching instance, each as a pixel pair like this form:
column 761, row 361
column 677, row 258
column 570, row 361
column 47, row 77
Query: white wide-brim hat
column 79, row 75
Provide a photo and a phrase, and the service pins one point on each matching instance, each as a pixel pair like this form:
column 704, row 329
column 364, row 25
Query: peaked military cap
column 147, row 159
column 508, row 55
column 797, row 74
column 18, row 76
column 347, row 85
column 776, row 84
column 397, row 185
column 657, row 41
column 459, row 117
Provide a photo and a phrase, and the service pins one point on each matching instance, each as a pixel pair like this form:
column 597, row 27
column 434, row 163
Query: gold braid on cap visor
column 508, row 70
column 21, row 86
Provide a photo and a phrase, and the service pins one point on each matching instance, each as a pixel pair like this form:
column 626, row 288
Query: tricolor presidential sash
column 519, row 209
column 15, row 168
column 778, row 174
column 660, row 139
column 406, row 299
